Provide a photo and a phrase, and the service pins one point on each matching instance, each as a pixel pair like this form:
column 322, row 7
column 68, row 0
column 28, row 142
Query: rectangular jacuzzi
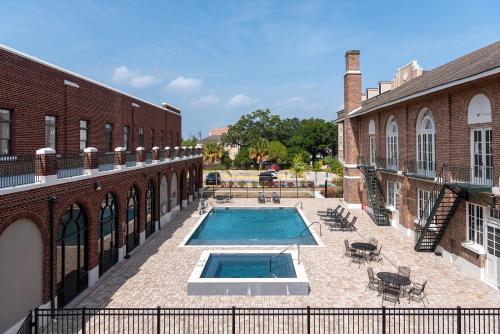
column 252, row 226
column 248, row 273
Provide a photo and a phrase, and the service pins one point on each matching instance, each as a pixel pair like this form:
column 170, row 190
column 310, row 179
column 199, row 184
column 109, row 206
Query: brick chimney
column 352, row 101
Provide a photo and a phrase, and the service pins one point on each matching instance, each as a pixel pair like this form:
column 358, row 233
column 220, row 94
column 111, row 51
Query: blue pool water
column 249, row 266
column 247, row 226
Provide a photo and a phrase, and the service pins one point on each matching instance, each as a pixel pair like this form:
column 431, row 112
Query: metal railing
column 481, row 176
column 284, row 189
column 131, row 159
column 425, row 169
column 148, row 158
column 26, row 325
column 281, row 253
column 387, row 163
column 269, row 320
column 69, row 165
column 106, row 162
column 17, row 170
column 161, row 155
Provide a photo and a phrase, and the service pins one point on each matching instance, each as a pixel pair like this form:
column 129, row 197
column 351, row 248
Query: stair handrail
column 375, row 205
column 284, row 250
column 307, row 228
column 301, row 205
column 427, row 218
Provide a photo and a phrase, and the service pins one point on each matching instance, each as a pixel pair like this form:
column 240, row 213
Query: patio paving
column 157, row 272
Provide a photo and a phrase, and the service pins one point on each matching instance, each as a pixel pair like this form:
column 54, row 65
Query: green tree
column 189, row 142
column 298, row 166
column 259, row 151
column 212, row 153
column 296, row 150
column 242, row 159
column 277, row 152
column 317, row 167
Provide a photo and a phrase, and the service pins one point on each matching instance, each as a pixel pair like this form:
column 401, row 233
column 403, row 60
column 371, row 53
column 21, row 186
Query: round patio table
column 363, row 246
column 393, row 278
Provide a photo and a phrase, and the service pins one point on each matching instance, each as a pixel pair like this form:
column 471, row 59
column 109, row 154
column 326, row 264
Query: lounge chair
column 329, row 211
column 337, row 222
column 373, row 282
column 261, row 199
column 276, row 198
column 350, row 225
column 417, row 293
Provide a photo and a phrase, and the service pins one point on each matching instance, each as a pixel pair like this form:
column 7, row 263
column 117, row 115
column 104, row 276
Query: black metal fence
column 69, row 165
column 268, row 320
column 17, row 170
column 131, row 159
column 285, row 189
column 106, row 161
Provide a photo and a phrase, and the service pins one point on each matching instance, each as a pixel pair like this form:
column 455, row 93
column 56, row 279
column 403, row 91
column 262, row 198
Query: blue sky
column 217, row 60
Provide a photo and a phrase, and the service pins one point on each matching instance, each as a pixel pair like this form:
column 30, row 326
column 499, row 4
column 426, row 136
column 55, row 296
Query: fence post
column 247, row 189
column 36, row 320
column 314, row 189
column 383, row 320
column 230, row 193
column 459, row 320
column 83, row 320
column 280, row 188
column 297, row 187
column 308, row 320
column 234, row 320
column 326, row 189
column 158, row 331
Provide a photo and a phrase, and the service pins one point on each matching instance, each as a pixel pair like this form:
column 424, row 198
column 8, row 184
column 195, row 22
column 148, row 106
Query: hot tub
column 255, row 273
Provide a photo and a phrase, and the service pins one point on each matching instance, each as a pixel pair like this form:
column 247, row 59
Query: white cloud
column 207, row 100
column 307, row 86
column 123, row 76
column 292, row 101
column 240, row 100
column 185, row 85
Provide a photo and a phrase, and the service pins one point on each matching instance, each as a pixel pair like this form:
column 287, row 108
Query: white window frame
column 51, row 131
column 373, row 150
column 423, row 197
column 392, row 144
column 426, row 144
column 481, row 172
column 393, row 194
column 84, row 134
column 475, row 225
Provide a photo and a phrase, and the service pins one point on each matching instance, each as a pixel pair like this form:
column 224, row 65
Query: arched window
column 131, row 229
column 479, row 118
column 392, row 149
column 150, row 209
column 163, row 196
column 72, row 255
column 373, row 146
column 426, row 144
column 108, row 232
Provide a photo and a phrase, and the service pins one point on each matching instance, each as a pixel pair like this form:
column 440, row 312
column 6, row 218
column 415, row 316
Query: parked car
column 213, row 179
column 267, row 176
column 275, row 167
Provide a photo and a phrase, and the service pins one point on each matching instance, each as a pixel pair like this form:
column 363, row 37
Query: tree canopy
column 315, row 136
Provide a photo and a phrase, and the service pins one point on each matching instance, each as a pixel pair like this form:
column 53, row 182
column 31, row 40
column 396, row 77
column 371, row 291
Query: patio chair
column 373, row 241
column 334, row 215
column 376, row 255
column 373, row 282
column 350, row 225
column 348, row 249
column 404, row 271
column 358, row 257
column 390, row 293
column 417, row 293
column 329, row 211
column 276, row 198
column 261, row 199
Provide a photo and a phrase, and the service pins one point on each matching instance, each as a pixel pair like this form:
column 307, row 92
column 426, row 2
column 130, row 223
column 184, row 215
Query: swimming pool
column 247, row 272
column 249, row 266
column 252, row 226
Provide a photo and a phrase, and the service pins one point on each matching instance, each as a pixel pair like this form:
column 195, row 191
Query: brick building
column 421, row 156
column 87, row 173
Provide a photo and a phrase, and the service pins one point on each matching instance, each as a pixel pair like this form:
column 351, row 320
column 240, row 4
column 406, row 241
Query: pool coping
column 212, row 286
column 308, row 223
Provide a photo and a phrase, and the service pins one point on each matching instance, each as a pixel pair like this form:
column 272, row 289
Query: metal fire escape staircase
column 444, row 200
column 375, row 194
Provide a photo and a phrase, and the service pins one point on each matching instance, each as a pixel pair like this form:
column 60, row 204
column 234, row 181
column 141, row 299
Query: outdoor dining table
column 363, row 246
column 393, row 278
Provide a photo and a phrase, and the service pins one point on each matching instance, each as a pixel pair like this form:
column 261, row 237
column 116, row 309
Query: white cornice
column 352, row 72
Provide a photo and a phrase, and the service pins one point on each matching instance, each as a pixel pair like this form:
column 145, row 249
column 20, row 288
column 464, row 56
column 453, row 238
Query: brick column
column 156, row 154
column 141, row 156
column 352, row 101
column 46, row 165
column 120, row 158
column 90, row 161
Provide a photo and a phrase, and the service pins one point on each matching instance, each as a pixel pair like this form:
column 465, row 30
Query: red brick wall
column 33, row 90
column 449, row 109
column 33, row 204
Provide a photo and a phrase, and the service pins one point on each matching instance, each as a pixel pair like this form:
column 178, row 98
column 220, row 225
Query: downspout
column 52, row 218
column 158, row 196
